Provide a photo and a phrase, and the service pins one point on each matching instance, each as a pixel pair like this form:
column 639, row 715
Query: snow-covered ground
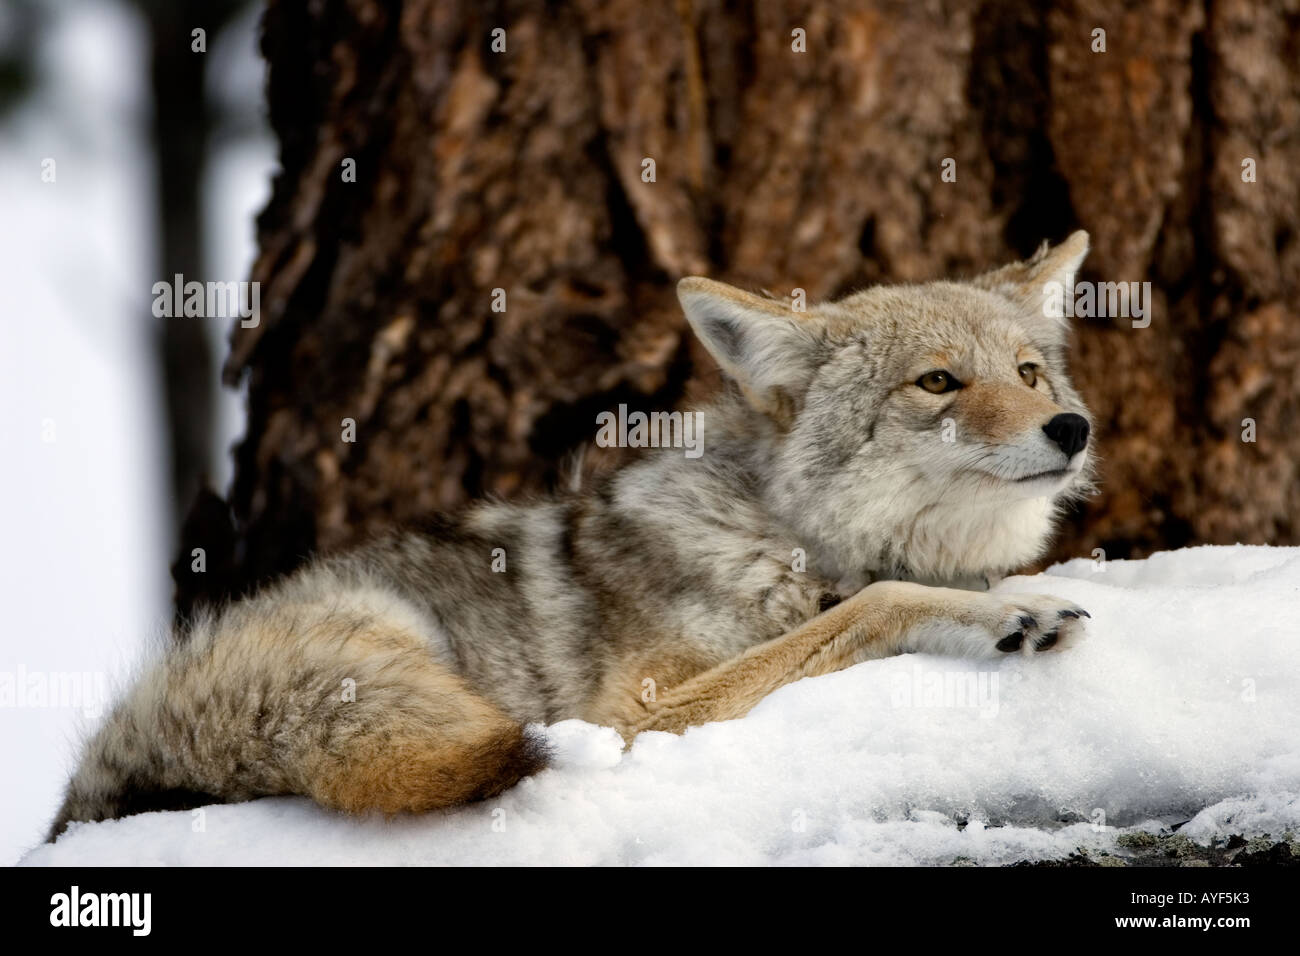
column 1182, row 704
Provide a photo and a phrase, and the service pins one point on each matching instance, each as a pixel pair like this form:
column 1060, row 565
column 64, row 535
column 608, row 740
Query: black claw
column 1084, row 613
column 1026, row 622
column 1011, row 642
column 1049, row 640
column 1069, row 614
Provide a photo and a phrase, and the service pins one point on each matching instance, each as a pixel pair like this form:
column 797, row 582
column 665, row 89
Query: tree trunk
column 182, row 126
column 479, row 170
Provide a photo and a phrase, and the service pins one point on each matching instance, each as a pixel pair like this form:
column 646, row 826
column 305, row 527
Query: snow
column 1183, row 703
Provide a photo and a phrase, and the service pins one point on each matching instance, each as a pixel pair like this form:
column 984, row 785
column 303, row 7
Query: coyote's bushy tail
column 306, row 690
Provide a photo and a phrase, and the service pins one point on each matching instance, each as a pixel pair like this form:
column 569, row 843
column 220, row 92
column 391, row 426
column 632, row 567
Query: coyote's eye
column 1029, row 372
column 938, row 381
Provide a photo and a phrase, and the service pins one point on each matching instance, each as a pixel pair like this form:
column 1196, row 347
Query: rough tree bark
column 522, row 170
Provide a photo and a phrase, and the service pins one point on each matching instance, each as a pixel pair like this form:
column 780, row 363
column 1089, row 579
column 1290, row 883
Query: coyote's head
column 924, row 429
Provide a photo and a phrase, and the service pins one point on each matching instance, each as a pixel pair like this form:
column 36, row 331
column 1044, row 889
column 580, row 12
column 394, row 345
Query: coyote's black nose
column 1069, row 431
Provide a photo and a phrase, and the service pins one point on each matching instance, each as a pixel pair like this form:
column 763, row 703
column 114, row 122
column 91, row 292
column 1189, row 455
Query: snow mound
column 1182, row 704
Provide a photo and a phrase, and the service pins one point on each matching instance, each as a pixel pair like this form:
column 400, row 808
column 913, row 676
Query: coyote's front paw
column 969, row 624
column 1036, row 622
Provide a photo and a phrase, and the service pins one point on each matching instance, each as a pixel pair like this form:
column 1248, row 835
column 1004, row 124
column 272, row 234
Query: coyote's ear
column 1038, row 283
column 760, row 343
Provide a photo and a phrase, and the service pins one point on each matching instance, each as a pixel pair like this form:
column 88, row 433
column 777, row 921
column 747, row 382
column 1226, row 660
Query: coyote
column 872, row 465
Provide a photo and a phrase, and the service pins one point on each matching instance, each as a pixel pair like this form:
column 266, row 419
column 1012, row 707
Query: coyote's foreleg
column 883, row 619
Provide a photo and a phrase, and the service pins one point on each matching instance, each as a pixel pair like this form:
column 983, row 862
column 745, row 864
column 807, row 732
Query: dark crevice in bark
column 1211, row 282
column 1008, row 89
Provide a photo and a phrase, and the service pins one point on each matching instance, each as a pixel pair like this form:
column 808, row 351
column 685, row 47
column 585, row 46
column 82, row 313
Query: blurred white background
column 84, row 495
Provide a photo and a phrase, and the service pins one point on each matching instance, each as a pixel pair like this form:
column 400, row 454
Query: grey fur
column 822, row 444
